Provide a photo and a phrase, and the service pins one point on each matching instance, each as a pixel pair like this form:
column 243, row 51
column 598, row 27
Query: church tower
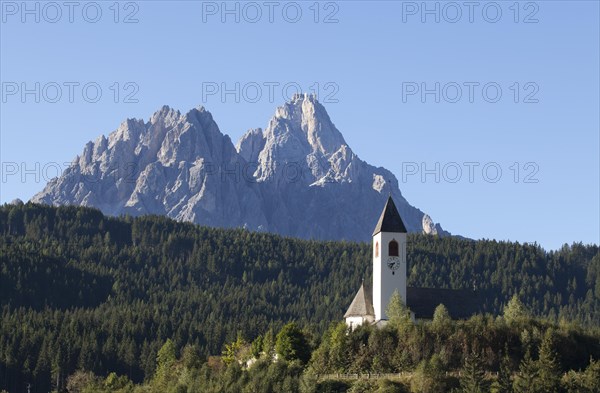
column 389, row 271
column 389, row 259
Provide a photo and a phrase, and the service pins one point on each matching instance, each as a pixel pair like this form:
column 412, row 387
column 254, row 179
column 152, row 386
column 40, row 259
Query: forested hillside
column 83, row 291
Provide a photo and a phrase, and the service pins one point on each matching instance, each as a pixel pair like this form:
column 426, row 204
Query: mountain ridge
column 298, row 177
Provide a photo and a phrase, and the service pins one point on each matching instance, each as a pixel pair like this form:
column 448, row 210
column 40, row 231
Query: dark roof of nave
column 461, row 303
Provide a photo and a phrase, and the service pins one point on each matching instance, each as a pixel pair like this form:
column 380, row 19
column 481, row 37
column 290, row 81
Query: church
column 390, row 274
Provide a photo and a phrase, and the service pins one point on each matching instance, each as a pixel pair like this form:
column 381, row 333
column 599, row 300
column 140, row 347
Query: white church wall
column 354, row 322
column 386, row 280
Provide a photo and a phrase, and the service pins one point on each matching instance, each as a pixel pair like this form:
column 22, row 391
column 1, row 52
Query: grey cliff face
column 298, row 177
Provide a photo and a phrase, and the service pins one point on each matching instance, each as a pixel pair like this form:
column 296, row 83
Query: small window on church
column 393, row 249
column 376, row 249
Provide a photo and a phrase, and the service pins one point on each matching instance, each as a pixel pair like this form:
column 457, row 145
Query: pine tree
column 441, row 319
column 58, row 369
column 268, row 344
column 397, row 312
column 165, row 359
column 291, row 344
column 429, row 377
column 473, row 378
column 339, row 350
column 514, row 311
column 549, row 367
column 190, row 357
column 232, row 351
column 592, row 377
column 526, row 380
column 256, row 347
column 503, row 384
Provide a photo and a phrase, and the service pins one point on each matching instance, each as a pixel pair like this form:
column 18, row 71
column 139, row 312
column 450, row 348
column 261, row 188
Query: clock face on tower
column 393, row 263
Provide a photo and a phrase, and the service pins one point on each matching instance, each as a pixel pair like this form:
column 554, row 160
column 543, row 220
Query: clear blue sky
column 376, row 51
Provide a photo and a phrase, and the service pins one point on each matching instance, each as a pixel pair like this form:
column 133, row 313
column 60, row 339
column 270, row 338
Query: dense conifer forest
column 96, row 303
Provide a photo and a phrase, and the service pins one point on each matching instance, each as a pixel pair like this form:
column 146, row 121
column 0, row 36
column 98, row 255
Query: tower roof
column 361, row 305
column 390, row 220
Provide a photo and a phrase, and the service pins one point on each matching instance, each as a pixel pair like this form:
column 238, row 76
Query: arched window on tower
column 393, row 249
column 376, row 249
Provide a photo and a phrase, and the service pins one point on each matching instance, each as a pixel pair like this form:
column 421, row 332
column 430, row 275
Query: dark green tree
column 503, row 384
column 441, row 320
column 165, row 360
column 429, row 377
column 473, row 375
column 190, row 357
column 592, row 377
column 527, row 379
column 292, row 344
column 514, row 311
column 398, row 314
column 257, row 346
column 549, row 367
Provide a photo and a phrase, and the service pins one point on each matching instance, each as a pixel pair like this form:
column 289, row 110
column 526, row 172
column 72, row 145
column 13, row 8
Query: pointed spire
column 390, row 220
column 361, row 305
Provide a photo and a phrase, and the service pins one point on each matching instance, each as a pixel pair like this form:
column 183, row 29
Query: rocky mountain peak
column 164, row 114
column 251, row 144
column 299, row 134
column 298, row 177
column 308, row 120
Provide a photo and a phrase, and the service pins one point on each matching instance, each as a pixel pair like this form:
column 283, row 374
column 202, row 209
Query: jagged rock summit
column 298, row 177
